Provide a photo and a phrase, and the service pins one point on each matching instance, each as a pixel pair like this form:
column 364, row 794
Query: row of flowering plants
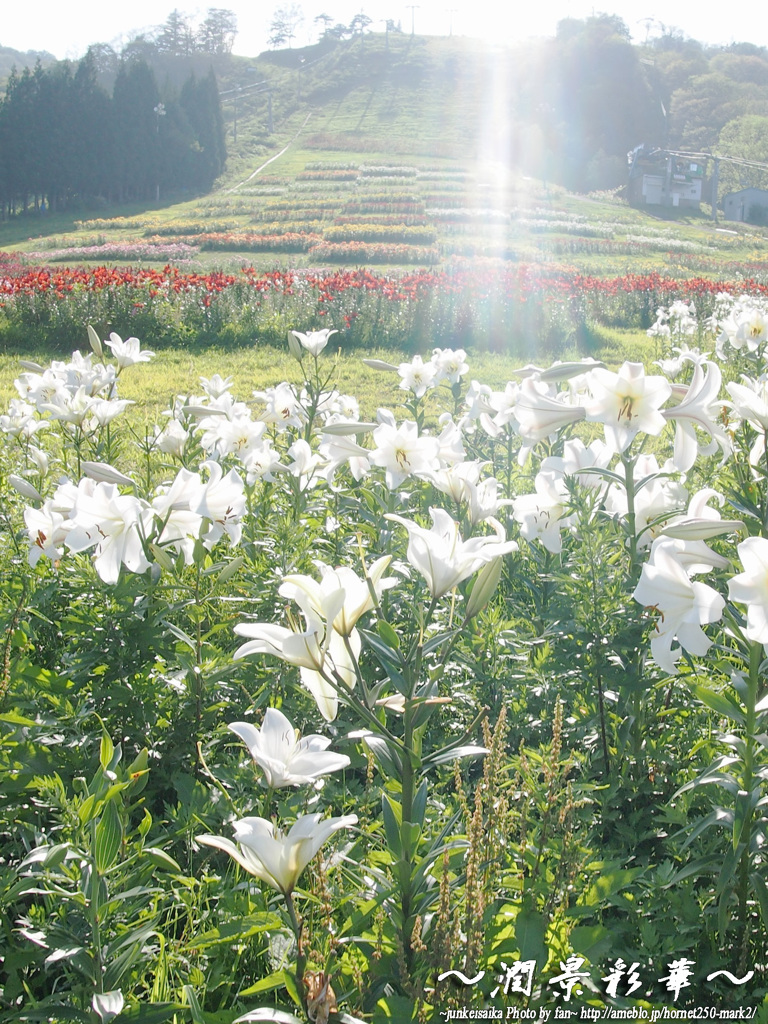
column 487, row 302
column 314, row 207
column 282, row 241
column 490, row 303
column 374, row 252
column 412, row 234
column 155, row 251
column 390, row 220
column 306, row 717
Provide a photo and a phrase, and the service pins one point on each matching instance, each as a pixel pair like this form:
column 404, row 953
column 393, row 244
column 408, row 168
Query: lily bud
column 484, row 587
column 104, row 473
column 95, row 341
column 24, row 488
column 379, row 364
column 342, row 429
column 294, row 347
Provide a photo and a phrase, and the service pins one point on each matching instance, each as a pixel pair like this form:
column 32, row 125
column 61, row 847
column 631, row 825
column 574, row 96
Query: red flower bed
column 513, row 306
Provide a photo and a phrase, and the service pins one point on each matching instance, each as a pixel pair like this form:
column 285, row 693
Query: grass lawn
column 173, row 371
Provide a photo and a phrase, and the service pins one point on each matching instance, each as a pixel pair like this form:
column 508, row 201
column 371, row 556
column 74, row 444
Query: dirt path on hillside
column 272, row 158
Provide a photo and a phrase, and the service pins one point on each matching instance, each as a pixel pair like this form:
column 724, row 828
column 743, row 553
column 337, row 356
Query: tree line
column 64, row 140
column 583, row 99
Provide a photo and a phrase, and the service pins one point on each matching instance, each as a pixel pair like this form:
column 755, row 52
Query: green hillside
column 428, row 97
column 381, row 149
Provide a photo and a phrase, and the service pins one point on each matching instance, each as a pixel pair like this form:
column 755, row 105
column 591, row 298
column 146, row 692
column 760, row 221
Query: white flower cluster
column 262, row 849
column 125, row 530
column 309, row 437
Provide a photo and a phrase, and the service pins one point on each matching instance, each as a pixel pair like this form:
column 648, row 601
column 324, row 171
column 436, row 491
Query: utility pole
column 159, row 112
column 714, row 185
column 413, row 8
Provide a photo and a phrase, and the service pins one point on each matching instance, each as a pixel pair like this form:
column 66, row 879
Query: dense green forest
column 65, row 140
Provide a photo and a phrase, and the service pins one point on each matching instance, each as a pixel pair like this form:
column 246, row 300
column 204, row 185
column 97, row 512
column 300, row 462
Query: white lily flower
column 698, row 408
column 456, row 480
column 477, row 408
column 319, row 651
column 463, row 483
column 750, row 400
column 224, row 404
column 260, row 463
column 484, row 500
column 504, row 406
column 674, row 365
column 172, row 438
column 285, row 758
column 222, row 500
column 343, row 409
column 336, row 449
column 402, row 452
column 283, row 407
column 538, row 414
column 275, row 857
column 442, row 557
column 318, row 599
column 127, row 352
column 37, row 387
column 626, row 403
column 216, row 385
column 47, row 530
column 576, row 458
column 114, row 523
column 684, row 606
column 221, row 437
column 541, row 515
column 750, row 403
column 751, row 329
column 751, row 587
column 102, row 411
column 417, row 376
column 39, row 458
column 656, row 500
column 450, row 364
column 316, row 657
column 300, row 649
column 181, row 527
column 20, row 420
column 330, row 645
column 450, row 442
column 304, row 464
column 340, row 658
column 314, row 341
column 693, row 555
column 69, row 406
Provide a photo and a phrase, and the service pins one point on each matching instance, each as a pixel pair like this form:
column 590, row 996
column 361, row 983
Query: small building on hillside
column 660, row 178
column 748, row 205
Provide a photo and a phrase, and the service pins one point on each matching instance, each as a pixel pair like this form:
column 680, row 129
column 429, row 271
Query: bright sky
column 66, row 30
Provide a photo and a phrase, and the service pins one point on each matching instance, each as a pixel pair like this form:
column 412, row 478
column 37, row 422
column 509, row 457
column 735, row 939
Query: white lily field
column 457, row 709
